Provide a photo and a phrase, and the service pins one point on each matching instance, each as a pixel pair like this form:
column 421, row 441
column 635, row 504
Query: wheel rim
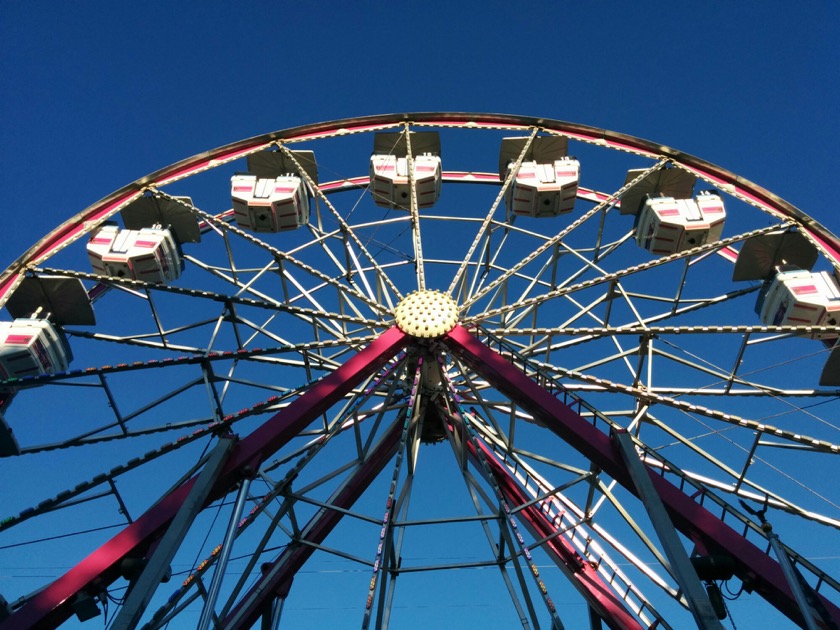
column 632, row 341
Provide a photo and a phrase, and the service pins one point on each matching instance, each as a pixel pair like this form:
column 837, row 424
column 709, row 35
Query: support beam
column 274, row 609
column 793, row 580
column 688, row 516
column 144, row 588
column 224, row 556
column 284, row 568
column 462, row 453
column 678, row 561
column 583, row 577
column 808, row 603
column 53, row 605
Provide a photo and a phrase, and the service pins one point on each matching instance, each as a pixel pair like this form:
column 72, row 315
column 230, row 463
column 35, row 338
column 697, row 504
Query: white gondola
column 666, row 225
column 29, row 347
column 149, row 254
column 544, row 190
column 269, row 204
column 391, row 184
column 796, row 297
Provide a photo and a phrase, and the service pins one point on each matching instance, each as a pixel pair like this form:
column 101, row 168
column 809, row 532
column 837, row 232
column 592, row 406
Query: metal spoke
column 482, row 234
column 278, row 254
column 346, row 229
column 625, row 272
column 564, row 233
column 571, row 329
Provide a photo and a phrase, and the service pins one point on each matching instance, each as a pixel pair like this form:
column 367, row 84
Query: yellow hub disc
column 426, row 314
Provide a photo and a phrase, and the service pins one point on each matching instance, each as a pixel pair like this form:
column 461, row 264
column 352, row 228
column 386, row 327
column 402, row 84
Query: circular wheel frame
column 275, row 430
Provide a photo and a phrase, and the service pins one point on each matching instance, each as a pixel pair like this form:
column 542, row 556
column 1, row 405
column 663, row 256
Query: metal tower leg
column 793, row 582
column 680, row 565
column 276, row 612
column 584, row 577
column 224, row 555
column 148, row 581
column 792, row 576
column 271, row 617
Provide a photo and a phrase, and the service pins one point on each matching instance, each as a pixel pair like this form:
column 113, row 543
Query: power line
column 38, row 540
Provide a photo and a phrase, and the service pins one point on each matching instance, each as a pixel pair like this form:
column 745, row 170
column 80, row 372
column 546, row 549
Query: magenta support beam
column 287, row 564
column 584, row 577
column 689, row 517
column 53, row 605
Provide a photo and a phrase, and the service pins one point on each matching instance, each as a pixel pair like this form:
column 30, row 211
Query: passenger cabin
column 546, row 183
column 391, row 183
column 665, row 225
column 29, row 347
column 796, row 297
column 641, row 183
column 176, row 213
column 148, row 254
column 274, row 204
column 390, row 176
column 544, row 190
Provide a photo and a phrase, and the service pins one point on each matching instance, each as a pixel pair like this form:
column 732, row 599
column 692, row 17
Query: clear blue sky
column 96, row 94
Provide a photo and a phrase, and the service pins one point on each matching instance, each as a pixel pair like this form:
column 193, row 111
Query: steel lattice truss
column 270, row 388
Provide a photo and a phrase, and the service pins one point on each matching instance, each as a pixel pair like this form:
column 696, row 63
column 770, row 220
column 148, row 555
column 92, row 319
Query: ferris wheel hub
column 426, row 314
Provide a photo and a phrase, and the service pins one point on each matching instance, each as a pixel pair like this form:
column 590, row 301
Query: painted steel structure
column 569, row 335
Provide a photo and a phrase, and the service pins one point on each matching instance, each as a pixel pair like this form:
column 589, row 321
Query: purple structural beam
column 284, row 568
column 701, row 526
column 581, row 574
column 53, row 605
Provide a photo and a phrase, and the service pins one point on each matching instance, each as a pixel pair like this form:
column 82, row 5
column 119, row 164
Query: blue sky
column 94, row 95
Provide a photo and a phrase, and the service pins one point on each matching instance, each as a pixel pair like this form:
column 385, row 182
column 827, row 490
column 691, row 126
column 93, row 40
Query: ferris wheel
column 424, row 368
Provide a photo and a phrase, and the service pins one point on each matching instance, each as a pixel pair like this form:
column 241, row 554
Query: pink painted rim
column 78, row 225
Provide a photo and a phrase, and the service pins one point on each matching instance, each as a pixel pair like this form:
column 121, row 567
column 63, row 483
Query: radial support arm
column 688, row 516
column 51, row 606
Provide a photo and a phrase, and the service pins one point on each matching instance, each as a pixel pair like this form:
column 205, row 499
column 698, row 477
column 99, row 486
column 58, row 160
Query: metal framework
column 589, row 390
